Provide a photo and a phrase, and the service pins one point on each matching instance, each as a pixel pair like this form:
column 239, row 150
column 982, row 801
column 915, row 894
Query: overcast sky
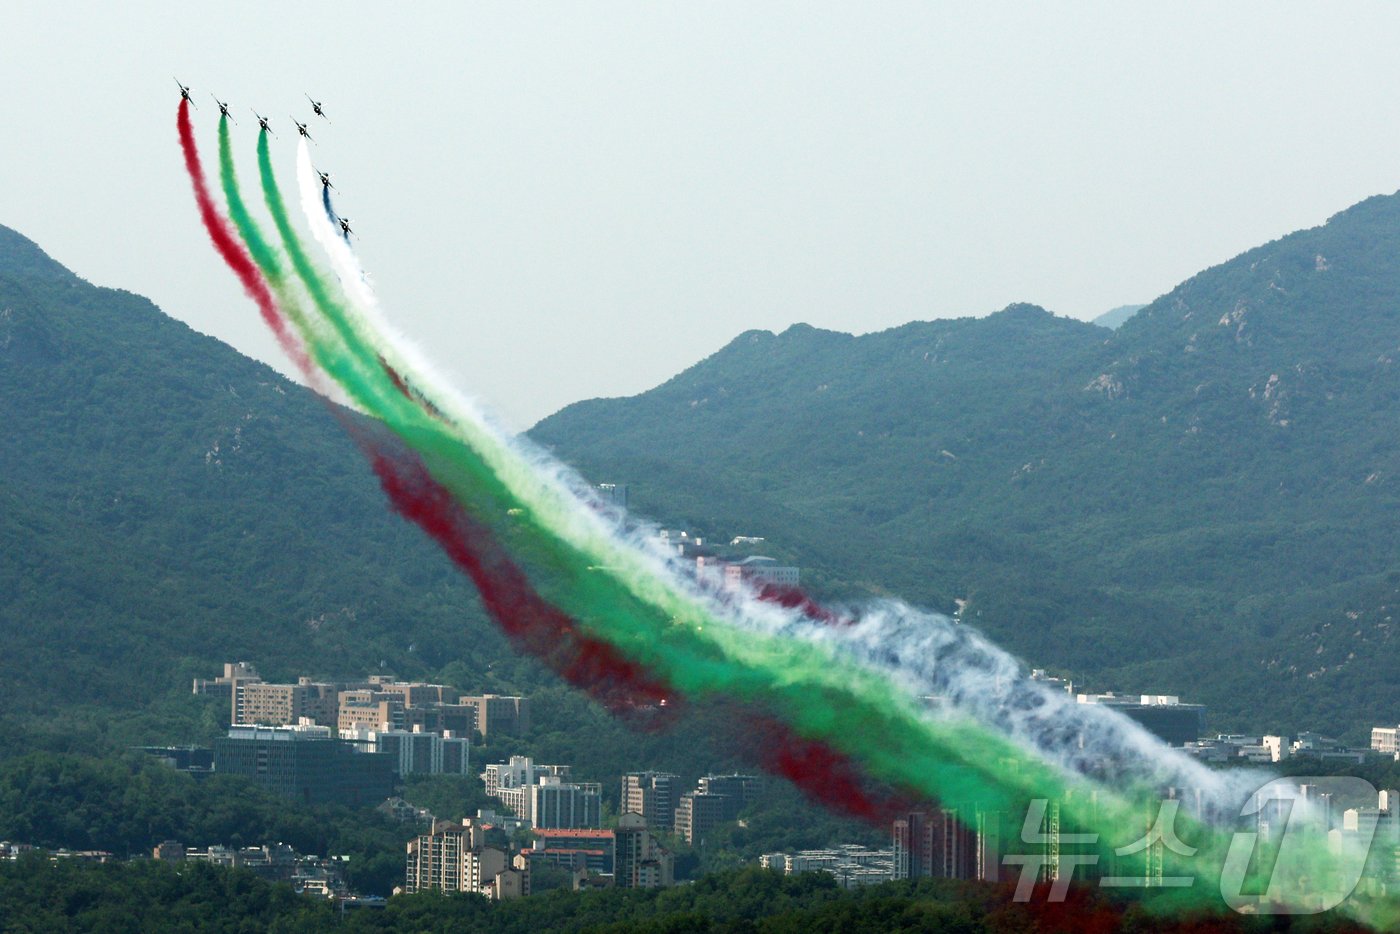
column 566, row 201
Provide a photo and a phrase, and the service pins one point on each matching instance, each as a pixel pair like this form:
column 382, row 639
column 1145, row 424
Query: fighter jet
column 316, row 106
column 185, row 93
column 326, row 180
column 345, row 227
column 301, row 128
column 223, row 108
column 262, row 122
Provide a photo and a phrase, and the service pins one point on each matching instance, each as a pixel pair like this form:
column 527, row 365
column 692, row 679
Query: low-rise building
column 1386, row 740
column 304, row 762
column 853, row 865
column 415, row 753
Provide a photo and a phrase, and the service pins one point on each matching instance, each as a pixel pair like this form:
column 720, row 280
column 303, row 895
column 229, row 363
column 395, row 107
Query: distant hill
column 1204, row 502
column 1116, row 316
column 167, row 504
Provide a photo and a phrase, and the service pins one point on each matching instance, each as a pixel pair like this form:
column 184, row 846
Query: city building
column 415, row 752
column 698, row 813
column 169, row 850
column 944, row 844
column 454, row 857
column 1386, row 740
column 512, row 782
column 369, row 709
column 257, row 703
column 558, row 804
column 737, row 790
column 853, row 865
column 591, row 848
column 416, row 693
column 304, row 762
column 640, row 862
column 1164, row 715
column 196, row 760
column 613, row 494
column 404, row 812
column 277, row 862
column 223, row 686
column 499, row 714
column 1317, row 746
column 752, row 573
column 653, row 795
column 1059, row 685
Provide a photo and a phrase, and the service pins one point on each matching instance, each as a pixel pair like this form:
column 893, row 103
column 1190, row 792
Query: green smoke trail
column 616, row 595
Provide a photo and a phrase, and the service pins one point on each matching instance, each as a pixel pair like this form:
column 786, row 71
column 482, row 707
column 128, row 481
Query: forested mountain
column 166, row 503
column 1202, row 502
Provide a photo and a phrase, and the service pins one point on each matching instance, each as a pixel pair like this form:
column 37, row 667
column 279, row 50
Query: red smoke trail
column 829, row 777
column 532, row 623
column 794, row 598
column 232, row 249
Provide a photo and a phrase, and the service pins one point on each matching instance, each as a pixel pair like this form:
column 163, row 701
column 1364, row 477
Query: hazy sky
column 564, row 201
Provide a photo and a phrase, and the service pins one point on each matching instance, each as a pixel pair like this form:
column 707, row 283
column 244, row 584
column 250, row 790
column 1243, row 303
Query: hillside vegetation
column 1202, row 502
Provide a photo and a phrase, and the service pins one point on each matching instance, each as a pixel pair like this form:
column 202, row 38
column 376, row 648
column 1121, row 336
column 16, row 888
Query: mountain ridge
column 1213, row 472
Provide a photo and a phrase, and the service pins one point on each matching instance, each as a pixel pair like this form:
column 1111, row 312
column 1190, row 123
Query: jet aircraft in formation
column 262, row 124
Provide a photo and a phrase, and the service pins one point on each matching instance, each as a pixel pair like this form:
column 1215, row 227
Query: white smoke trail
column 926, row 654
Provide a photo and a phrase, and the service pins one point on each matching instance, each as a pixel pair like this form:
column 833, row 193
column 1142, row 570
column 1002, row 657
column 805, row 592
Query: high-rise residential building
column 640, row 861
column 304, row 762
column 555, row 803
column 737, row 790
column 697, row 814
column 653, row 795
column 1386, row 740
column 935, row 844
column 454, row 857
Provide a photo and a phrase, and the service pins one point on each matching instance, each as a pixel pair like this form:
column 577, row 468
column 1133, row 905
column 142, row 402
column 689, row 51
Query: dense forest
column 36, row 896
